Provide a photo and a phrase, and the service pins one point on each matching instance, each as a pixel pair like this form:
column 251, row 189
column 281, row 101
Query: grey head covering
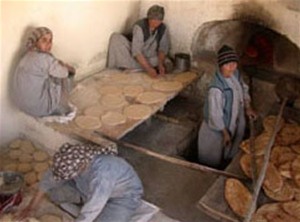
column 35, row 35
column 156, row 12
column 69, row 159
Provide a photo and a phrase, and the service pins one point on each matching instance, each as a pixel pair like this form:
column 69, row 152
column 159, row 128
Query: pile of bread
column 27, row 159
column 282, row 180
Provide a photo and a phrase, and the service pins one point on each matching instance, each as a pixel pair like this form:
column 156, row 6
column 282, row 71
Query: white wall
column 184, row 17
column 81, row 34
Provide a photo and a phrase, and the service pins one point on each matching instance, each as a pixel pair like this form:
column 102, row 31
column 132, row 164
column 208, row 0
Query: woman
column 224, row 121
column 40, row 80
column 90, row 184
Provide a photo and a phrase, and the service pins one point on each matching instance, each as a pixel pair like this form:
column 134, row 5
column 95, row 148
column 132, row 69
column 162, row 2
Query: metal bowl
column 11, row 182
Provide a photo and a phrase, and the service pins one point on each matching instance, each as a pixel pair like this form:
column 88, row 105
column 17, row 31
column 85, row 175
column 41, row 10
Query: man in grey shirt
column 147, row 47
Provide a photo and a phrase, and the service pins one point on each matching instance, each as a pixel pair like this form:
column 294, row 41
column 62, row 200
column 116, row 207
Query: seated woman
column 40, row 80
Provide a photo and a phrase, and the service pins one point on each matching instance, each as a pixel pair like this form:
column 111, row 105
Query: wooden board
column 106, row 78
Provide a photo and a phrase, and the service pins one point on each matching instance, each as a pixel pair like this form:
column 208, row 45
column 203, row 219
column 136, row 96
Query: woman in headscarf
column 145, row 48
column 225, row 106
column 40, row 84
column 90, row 183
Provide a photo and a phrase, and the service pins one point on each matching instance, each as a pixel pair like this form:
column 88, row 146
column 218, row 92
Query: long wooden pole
column 173, row 160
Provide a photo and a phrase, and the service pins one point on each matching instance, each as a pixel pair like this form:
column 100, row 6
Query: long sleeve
column 137, row 41
column 100, row 189
column 215, row 106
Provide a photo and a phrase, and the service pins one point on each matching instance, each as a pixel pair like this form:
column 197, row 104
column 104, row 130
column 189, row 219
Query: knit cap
column 226, row 54
column 156, row 12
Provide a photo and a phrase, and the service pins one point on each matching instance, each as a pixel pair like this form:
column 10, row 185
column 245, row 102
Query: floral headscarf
column 35, row 35
column 68, row 161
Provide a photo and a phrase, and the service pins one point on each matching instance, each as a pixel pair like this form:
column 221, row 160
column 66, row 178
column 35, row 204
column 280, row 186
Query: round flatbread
column 14, row 154
column 132, row 90
column 27, row 147
column 167, row 86
column 113, row 118
column 286, row 193
column 151, row 97
column 185, row 77
column 273, row 180
column 30, row 178
column 296, row 148
column 25, row 158
column 50, row 218
column 113, row 101
column 120, row 78
column 292, row 208
column 24, row 167
column 137, row 111
column 88, row 122
column 40, row 155
column 260, row 144
column 83, row 97
column 289, row 135
column 95, row 110
column 245, row 163
column 269, row 123
column 40, row 167
column 237, row 196
column 105, row 90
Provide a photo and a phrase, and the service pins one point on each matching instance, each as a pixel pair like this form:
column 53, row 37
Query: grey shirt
column 37, row 86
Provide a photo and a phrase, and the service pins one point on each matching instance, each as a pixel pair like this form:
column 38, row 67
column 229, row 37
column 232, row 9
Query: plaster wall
column 184, row 17
column 81, row 34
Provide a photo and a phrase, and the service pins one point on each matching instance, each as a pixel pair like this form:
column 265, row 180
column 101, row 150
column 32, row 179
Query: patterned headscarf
column 35, row 35
column 156, row 12
column 68, row 161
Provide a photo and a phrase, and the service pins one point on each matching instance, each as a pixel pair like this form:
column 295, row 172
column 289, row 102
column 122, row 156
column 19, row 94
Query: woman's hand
column 251, row 113
column 152, row 72
column 161, row 69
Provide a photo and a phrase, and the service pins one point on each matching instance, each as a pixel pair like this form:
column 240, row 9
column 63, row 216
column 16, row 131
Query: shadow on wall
column 19, row 53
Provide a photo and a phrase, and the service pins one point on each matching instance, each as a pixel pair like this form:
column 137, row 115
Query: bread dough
column 40, row 167
column 113, row 101
column 95, row 110
column 151, row 97
column 88, row 122
column 50, row 218
column 15, row 144
column 83, row 97
column 30, row 178
column 120, row 77
column 10, row 218
column 14, row 154
column 40, row 155
column 27, row 147
column 185, row 77
column 25, row 158
column 132, row 90
column 110, row 89
column 10, row 167
column 137, row 111
column 237, row 196
column 167, row 86
column 113, row 118
column 24, row 167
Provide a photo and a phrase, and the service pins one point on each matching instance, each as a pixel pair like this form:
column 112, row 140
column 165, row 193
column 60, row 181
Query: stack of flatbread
column 282, row 181
column 27, row 159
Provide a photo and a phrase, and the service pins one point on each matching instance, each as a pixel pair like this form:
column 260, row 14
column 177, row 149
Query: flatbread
column 286, row 193
column 25, row 158
column 185, row 77
column 132, row 90
column 245, row 163
column 30, row 178
column 40, row 167
column 83, row 97
column 110, row 89
column 40, row 155
column 113, row 101
column 10, row 218
column 137, row 111
column 260, row 144
column 50, row 218
column 269, row 123
column 15, row 144
column 88, row 122
column 14, row 154
column 11, row 167
column 95, row 110
column 292, row 208
column 151, row 97
column 167, row 86
column 27, row 147
column 120, row 78
column 113, row 118
column 273, row 180
column 237, row 196
column 289, row 135
column 296, row 171
column 24, row 167
column 296, row 148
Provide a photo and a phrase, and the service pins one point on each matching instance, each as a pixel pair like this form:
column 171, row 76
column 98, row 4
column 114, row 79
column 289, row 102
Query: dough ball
column 40, row 167
column 40, row 155
column 24, row 167
column 27, row 147
column 25, row 158
column 10, row 167
column 15, row 144
column 30, row 178
column 14, row 154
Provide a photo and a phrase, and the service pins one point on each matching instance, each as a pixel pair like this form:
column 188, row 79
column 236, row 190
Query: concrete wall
column 81, row 34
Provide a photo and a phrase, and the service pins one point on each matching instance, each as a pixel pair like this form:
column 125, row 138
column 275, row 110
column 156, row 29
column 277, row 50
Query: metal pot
column 182, row 62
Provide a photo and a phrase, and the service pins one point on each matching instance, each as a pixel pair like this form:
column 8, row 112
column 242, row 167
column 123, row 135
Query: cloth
column 38, row 83
column 35, row 35
column 156, row 12
column 109, row 189
column 69, row 158
column 226, row 54
column 122, row 52
column 210, row 151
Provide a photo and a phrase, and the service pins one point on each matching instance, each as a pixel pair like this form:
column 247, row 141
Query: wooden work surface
column 119, row 79
column 214, row 202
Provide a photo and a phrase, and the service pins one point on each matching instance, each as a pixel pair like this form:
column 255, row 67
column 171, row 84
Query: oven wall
column 81, row 34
